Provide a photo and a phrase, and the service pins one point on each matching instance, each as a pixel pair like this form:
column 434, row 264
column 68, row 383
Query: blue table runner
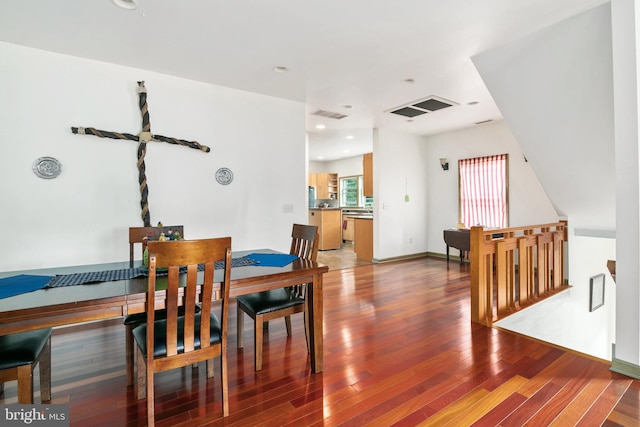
column 23, row 283
column 272, row 260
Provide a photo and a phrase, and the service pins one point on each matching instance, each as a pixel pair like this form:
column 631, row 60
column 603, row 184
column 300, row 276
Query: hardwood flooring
column 399, row 350
column 337, row 259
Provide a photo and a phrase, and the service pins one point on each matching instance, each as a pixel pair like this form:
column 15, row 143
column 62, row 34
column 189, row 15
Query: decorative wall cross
column 143, row 137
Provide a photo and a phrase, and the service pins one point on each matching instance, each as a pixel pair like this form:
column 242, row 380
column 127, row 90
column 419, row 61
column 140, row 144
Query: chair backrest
column 188, row 254
column 136, row 234
column 304, row 241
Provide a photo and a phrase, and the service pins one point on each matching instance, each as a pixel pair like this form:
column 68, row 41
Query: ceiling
column 358, row 58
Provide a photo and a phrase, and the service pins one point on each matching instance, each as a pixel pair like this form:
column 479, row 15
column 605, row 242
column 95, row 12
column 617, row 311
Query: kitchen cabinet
column 347, row 228
column 329, row 223
column 363, row 243
column 326, row 185
column 367, row 174
column 313, row 182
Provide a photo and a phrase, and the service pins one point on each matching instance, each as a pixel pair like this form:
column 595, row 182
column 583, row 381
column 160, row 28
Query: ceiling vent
column 329, row 114
column 422, row 106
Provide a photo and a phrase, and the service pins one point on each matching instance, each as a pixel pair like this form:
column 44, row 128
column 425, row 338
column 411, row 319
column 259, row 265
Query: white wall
column 528, row 203
column 565, row 319
column 83, row 215
column 343, row 167
column 400, row 168
column 625, row 30
column 318, row 167
column 555, row 89
column 346, row 167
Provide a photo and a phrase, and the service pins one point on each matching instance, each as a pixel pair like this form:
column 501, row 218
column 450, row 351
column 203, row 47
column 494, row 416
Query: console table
column 459, row 239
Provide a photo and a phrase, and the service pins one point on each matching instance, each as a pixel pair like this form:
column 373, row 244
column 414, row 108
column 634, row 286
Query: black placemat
column 127, row 273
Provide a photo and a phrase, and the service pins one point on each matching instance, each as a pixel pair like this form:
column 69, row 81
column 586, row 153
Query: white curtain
column 483, row 191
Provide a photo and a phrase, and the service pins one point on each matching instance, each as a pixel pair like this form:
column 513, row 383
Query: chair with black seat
column 19, row 355
column 177, row 341
column 136, row 236
column 282, row 302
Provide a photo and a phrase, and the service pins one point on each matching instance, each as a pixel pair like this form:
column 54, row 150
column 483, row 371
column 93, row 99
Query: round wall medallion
column 224, row 176
column 47, row 167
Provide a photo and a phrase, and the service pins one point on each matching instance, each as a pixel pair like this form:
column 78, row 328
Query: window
column 483, row 191
column 351, row 191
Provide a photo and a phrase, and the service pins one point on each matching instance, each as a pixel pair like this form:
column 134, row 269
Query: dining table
column 101, row 300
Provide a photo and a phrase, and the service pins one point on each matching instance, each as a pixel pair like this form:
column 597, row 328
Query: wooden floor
column 341, row 258
column 399, row 350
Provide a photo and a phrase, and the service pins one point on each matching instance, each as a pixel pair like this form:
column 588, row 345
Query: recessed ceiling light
column 346, row 151
column 472, row 103
column 126, row 4
column 320, row 126
column 347, row 107
column 280, row 69
column 320, row 157
column 350, row 137
column 408, row 81
column 409, row 120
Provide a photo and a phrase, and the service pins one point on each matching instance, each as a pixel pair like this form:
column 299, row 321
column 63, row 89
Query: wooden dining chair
column 136, row 236
column 177, row 341
column 282, row 302
column 19, row 355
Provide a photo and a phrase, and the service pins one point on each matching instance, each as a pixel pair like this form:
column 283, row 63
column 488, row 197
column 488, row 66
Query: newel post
column 479, row 286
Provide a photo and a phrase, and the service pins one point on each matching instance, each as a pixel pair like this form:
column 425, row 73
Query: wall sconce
column 126, row 4
column 444, row 163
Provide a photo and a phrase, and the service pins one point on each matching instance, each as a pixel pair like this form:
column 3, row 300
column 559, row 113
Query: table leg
column 447, row 253
column 314, row 296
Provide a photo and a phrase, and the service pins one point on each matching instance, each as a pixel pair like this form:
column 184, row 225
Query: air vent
column 408, row 112
column 329, row 114
column 422, row 106
column 484, row 121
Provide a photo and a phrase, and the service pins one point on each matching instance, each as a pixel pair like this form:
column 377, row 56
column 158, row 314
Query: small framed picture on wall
column 596, row 288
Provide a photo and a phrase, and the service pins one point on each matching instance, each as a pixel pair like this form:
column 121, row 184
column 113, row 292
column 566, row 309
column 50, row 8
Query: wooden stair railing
column 512, row 268
column 611, row 266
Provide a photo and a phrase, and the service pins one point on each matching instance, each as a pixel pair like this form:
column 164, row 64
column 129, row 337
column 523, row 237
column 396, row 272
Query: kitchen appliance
column 312, row 197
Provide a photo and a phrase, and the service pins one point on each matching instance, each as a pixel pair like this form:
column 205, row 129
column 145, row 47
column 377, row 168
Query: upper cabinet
column 367, row 174
column 326, row 185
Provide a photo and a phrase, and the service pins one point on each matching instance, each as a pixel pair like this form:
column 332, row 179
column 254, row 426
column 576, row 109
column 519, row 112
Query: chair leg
column 130, row 354
column 45, row 372
column 287, row 323
column 225, row 384
column 240, row 331
column 257, row 341
column 25, row 384
column 210, row 368
column 306, row 324
column 150, row 395
column 141, row 383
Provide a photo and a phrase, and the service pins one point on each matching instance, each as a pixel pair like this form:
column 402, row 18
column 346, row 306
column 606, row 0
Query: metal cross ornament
column 143, row 137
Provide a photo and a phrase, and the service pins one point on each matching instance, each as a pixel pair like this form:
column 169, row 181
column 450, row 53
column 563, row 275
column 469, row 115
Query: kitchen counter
column 357, row 211
column 359, row 216
column 329, row 223
column 363, row 241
